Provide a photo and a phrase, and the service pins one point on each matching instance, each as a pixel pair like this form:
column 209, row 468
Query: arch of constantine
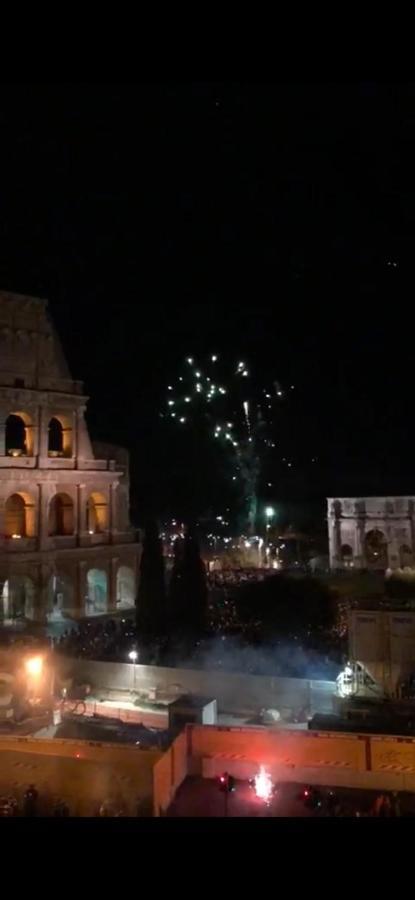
column 375, row 533
column 66, row 543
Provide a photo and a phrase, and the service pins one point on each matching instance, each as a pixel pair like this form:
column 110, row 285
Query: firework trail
column 222, row 397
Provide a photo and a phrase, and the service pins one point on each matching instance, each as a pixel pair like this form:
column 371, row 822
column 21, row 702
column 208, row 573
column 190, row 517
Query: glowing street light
column 270, row 512
column 34, row 666
column 133, row 655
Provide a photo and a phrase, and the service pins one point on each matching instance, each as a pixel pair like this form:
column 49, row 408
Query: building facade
column 66, row 544
column 376, row 533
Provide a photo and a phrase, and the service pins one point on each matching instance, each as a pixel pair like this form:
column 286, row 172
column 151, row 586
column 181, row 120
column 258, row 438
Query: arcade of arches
column 20, row 515
column 67, row 545
column 19, row 598
column 19, row 436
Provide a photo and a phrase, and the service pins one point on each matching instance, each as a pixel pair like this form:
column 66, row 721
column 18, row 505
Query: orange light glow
column 34, row 666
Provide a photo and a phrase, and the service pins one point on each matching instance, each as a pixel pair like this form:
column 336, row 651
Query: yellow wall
column 280, row 747
column 169, row 772
column 388, row 752
column 83, row 774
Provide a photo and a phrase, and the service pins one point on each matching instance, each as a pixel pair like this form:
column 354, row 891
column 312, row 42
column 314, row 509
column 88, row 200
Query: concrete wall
column 349, row 760
column 234, row 692
column 277, row 747
column 168, row 774
column 83, row 773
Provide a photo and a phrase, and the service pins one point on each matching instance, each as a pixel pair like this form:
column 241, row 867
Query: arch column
column 82, row 528
column 112, row 592
column 2, row 521
column 360, row 542
column 3, row 418
column 112, row 511
column 74, row 436
column 46, row 492
column 81, row 588
column 411, row 511
column 43, row 432
column 336, row 542
column 41, row 593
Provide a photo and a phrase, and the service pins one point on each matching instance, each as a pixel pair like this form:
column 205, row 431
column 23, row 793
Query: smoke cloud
column 277, row 659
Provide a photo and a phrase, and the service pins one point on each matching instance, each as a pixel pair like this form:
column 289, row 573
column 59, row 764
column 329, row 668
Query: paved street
column 200, row 797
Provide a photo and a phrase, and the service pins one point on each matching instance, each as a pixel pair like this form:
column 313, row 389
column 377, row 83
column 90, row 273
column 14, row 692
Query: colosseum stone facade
column 66, row 544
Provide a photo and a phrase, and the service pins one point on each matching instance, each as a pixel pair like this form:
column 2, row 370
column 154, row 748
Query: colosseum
column 67, row 548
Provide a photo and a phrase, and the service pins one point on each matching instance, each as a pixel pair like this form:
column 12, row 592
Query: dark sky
column 164, row 220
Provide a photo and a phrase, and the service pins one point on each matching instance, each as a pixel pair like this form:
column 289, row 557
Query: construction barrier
column 83, row 773
column 122, row 713
column 392, row 754
column 280, row 747
column 374, row 762
column 169, row 772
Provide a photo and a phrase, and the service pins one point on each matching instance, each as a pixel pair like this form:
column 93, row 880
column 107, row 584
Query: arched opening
column 55, row 438
column 406, row 559
column 97, row 513
column 61, row 515
column 376, row 550
column 19, row 516
column 60, row 436
column 60, row 597
column 125, row 588
column 17, row 600
column 18, row 434
column 346, row 553
column 15, row 519
column 97, row 592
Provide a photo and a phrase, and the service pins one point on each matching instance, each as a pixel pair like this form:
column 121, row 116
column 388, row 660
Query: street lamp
column 133, row 655
column 34, row 666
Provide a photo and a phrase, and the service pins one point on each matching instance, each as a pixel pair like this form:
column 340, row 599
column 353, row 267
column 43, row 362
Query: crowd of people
column 235, row 577
column 33, row 805
column 340, row 805
column 30, row 806
column 111, row 639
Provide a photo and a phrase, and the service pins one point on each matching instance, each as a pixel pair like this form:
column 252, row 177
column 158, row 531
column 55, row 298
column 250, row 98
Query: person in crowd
column 30, row 801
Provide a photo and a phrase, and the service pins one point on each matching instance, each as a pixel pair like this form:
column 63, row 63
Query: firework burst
column 239, row 415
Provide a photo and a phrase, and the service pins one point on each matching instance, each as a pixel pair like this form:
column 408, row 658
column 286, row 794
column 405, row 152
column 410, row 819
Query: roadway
column 201, row 797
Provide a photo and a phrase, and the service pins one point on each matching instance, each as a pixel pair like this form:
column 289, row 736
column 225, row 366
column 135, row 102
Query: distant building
column 381, row 652
column 66, row 544
column 376, row 533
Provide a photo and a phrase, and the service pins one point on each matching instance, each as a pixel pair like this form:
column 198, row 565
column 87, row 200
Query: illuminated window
column 61, row 515
column 97, row 513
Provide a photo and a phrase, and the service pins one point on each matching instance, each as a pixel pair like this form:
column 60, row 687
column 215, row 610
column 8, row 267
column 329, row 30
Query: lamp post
column 133, row 655
column 34, row 669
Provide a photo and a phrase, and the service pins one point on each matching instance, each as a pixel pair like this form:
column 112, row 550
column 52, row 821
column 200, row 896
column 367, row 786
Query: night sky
column 272, row 222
